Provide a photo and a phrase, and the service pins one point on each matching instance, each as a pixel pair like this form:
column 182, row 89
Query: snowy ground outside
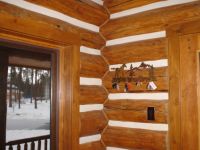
column 28, row 122
column 11, row 134
column 28, row 111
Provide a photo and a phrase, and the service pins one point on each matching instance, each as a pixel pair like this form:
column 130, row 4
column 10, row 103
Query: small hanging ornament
column 151, row 86
column 115, row 85
column 138, row 83
column 118, row 87
column 127, row 86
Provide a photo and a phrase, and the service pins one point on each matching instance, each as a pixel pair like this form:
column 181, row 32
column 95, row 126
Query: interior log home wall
column 111, row 119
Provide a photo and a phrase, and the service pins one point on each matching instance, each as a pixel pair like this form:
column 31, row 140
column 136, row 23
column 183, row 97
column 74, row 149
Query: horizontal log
column 134, row 138
column 92, row 94
column 92, row 146
column 121, row 5
column 136, row 51
column 93, row 66
column 150, row 21
column 92, row 122
column 83, row 10
column 21, row 21
column 90, row 39
column 135, row 110
column 161, row 75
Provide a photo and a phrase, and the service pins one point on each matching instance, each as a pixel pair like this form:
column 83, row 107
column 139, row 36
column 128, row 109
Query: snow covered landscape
column 27, row 121
column 27, row 110
column 28, row 104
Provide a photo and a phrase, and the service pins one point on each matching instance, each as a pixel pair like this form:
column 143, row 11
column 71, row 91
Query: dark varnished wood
column 91, row 94
column 3, row 96
column 92, row 122
column 92, row 66
column 134, row 138
column 155, row 20
column 27, row 62
column 136, row 51
column 31, row 140
column 136, row 110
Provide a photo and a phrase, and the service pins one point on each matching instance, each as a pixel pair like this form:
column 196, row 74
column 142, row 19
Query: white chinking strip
column 52, row 13
column 91, row 138
column 149, row 7
column 90, row 81
column 115, row 148
column 92, row 107
column 135, row 38
column 155, row 63
column 100, row 2
column 138, row 96
column 91, row 51
column 137, row 125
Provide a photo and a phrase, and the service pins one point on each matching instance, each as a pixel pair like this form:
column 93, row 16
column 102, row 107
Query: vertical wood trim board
column 3, row 96
column 188, row 84
column 183, row 96
column 174, row 101
column 69, row 98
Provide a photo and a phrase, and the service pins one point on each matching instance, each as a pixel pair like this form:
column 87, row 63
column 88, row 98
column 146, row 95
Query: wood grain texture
column 92, row 122
column 115, row 6
column 150, row 21
column 15, row 19
column 92, row 146
column 136, row 110
column 90, row 39
column 3, row 96
column 190, row 27
column 69, row 71
column 83, row 10
column 134, row 138
column 174, row 100
column 16, row 25
column 184, row 45
column 136, row 51
column 161, row 75
column 69, row 101
column 189, row 99
column 91, row 94
column 93, row 66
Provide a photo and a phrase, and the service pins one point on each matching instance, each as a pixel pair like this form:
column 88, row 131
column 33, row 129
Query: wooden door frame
column 3, row 96
column 65, row 85
column 176, row 113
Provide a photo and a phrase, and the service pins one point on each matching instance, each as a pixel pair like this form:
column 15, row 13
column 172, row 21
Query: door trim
column 65, row 85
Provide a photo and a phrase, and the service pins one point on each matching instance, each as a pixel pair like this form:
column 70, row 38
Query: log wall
column 92, row 96
column 114, row 122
